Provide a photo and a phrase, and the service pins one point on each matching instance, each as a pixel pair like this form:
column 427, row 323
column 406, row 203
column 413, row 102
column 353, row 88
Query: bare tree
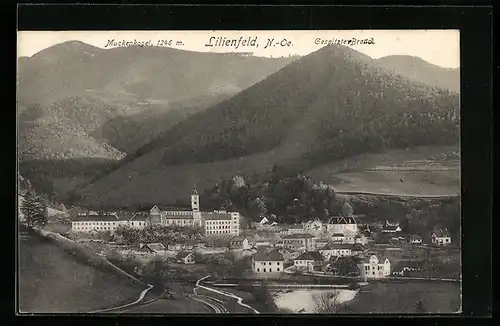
column 326, row 302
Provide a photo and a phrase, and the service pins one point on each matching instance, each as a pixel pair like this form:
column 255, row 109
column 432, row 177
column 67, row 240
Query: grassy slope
column 401, row 298
column 51, row 281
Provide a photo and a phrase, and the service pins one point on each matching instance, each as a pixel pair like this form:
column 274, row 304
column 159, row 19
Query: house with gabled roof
column 308, row 260
column 441, row 237
column 342, row 238
column 344, row 266
column 138, row 220
column 267, row 261
column 185, row 257
column 346, row 225
column 391, row 227
column 415, row 239
column 299, row 241
column 372, row 267
column 152, row 248
column 336, row 249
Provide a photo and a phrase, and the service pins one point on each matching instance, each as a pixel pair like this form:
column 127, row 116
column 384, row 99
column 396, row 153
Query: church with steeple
column 216, row 222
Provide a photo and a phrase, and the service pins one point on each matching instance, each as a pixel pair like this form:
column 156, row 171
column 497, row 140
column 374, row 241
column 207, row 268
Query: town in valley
column 159, row 174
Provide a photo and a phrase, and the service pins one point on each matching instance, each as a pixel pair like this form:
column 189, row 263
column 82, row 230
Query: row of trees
column 159, row 233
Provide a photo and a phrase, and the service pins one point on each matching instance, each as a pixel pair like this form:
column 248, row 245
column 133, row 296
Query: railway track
column 214, row 304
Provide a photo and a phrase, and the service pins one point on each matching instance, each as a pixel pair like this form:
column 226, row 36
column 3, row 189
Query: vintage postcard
column 239, row 172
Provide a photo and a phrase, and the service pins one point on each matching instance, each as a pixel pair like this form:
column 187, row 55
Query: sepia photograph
column 238, row 172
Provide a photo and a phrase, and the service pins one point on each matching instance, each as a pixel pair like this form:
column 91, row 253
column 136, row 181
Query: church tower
column 195, row 201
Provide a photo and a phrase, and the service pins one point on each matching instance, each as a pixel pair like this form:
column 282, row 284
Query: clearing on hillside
column 421, row 171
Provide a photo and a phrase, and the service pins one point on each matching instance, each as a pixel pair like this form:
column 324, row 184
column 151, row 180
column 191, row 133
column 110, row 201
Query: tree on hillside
column 34, row 209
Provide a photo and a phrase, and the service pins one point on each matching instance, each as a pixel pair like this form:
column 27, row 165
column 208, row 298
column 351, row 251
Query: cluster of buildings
column 216, row 222
column 338, row 246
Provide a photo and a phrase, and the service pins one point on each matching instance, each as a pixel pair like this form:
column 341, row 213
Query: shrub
column 326, row 302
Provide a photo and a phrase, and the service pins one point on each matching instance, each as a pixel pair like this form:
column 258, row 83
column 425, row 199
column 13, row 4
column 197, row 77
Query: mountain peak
column 68, row 47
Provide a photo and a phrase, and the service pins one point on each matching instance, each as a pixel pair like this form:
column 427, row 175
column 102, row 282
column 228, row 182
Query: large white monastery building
column 217, row 222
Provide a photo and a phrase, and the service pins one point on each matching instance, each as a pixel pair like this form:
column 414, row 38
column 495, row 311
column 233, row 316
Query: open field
column 402, row 297
column 421, row 171
column 53, row 281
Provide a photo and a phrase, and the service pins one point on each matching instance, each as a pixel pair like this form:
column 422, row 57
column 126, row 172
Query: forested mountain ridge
column 130, row 93
column 337, row 90
column 416, row 69
column 335, row 98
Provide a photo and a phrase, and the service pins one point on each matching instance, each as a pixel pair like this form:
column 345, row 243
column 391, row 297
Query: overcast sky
column 439, row 47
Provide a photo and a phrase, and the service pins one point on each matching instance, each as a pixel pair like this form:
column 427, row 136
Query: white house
column 415, row 239
column 153, row 248
column 308, row 260
column 441, row 237
column 306, row 242
column 185, row 257
column 263, row 221
column 259, row 244
column 391, row 228
column 371, row 267
column 342, row 224
column 267, row 261
column 336, row 249
column 342, row 238
column 138, row 220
